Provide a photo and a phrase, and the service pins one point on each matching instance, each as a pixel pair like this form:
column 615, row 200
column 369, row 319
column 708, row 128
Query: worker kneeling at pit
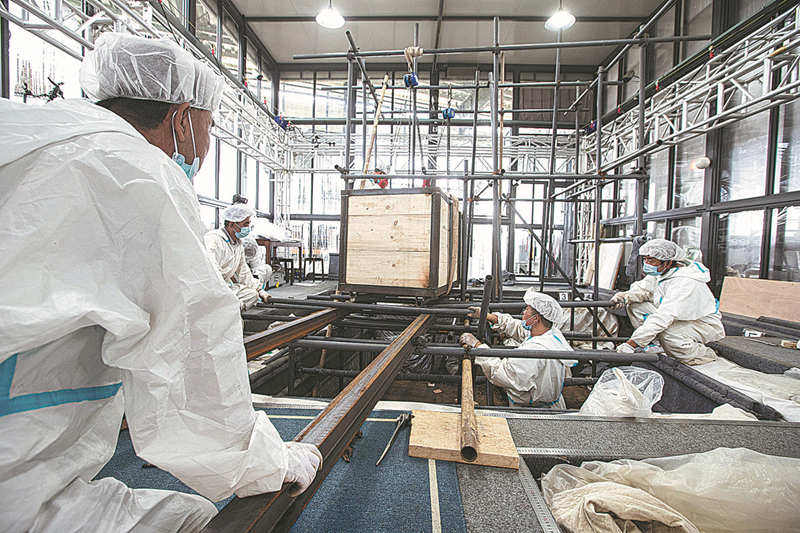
column 529, row 382
column 228, row 255
column 672, row 304
column 110, row 305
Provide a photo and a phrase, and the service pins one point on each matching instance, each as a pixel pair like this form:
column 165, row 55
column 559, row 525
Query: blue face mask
column 244, row 232
column 192, row 169
column 650, row 270
column 526, row 327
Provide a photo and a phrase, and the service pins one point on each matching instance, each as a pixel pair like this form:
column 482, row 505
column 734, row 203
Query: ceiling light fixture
column 560, row 20
column 330, row 18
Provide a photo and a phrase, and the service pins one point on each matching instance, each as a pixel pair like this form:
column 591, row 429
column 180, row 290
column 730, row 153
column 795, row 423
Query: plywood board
column 436, row 436
column 610, row 257
column 382, row 204
column 391, row 233
column 406, row 269
column 760, row 297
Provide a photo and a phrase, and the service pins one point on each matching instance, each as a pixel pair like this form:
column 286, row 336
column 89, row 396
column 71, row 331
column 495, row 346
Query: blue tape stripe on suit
column 41, row 400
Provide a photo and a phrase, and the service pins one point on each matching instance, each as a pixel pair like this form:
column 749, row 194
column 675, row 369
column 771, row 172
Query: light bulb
column 561, row 20
column 328, row 17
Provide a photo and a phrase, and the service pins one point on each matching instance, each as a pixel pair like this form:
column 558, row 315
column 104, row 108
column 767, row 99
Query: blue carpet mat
column 356, row 496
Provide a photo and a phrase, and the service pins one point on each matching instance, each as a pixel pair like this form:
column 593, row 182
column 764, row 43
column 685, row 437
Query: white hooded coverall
column 679, row 310
column 229, row 259
column 109, row 304
column 529, row 382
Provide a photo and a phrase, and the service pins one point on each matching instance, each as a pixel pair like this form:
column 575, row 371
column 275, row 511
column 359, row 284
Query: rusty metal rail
column 331, row 431
column 260, row 343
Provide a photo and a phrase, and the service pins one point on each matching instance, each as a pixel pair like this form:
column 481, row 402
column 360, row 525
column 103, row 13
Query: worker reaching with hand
column 110, row 305
column 529, row 382
column 672, row 304
column 228, row 254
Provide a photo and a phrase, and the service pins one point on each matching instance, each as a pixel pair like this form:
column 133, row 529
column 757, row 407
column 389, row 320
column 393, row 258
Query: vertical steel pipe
column 496, row 165
column 638, row 227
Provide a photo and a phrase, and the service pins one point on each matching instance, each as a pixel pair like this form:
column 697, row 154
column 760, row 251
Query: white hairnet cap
column 546, row 306
column 663, row 250
column 237, row 213
column 127, row 66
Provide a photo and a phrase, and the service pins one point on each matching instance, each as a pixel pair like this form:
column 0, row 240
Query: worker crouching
column 528, row 382
column 227, row 253
column 672, row 304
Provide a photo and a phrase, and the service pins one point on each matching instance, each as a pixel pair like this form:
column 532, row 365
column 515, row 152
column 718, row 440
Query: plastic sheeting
column 624, row 391
column 720, row 491
column 778, row 391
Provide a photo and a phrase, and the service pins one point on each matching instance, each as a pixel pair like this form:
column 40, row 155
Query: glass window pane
column 697, row 22
column 665, row 27
column 657, row 229
column 325, row 241
column 327, row 193
column 784, row 263
column 230, row 46
column 788, row 162
column 227, row 172
column 206, row 28
column 296, row 98
column 297, row 231
column 740, row 243
column 36, row 65
column 208, row 216
column 264, row 176
column 659, row 174
column 300, row 201
column 686, row 234
column 688, row 178
column 743, row 158
column 204, row 182
column 249, row 179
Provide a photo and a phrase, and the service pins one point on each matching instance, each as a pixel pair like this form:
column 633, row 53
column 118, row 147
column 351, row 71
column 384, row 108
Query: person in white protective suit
column 225, row 247
column 256, row 257
column 672, row 304
column 529, row 382
column 110, row 304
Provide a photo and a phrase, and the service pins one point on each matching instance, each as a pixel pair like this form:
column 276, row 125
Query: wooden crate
column 399, row 241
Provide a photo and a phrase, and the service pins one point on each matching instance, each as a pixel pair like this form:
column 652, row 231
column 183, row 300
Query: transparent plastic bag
column 725, row 490
column 624, row 391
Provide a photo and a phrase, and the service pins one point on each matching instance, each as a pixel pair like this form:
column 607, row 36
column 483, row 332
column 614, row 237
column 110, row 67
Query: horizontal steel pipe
column 514, row 353
column 505, row 47
column 430, row 378
column 377, row 308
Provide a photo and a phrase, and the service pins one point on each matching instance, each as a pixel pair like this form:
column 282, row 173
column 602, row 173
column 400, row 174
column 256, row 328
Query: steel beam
column 331, row 432
column 261, row 343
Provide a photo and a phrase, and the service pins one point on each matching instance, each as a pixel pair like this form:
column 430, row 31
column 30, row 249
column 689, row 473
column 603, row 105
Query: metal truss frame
column 757, row 73
column 241, row 121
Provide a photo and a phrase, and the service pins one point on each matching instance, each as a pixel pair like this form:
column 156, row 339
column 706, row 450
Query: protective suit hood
column 76, row 118
column 695, row 271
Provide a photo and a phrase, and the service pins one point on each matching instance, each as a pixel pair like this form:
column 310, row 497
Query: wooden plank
column 391, row 233
column 398, row 204
column 436, row 436
column 760, row 297
column 406, row 269
column 610, row 257
column 444, row 242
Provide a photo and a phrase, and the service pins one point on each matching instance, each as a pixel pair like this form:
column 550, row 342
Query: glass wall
column 740, row 244
column 743, row 158
column 206, row 25
column 788, row 146
column 784, row 261
column 689, row 179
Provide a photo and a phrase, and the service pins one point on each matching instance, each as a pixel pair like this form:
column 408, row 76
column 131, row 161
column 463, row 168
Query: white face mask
column 192, row 169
